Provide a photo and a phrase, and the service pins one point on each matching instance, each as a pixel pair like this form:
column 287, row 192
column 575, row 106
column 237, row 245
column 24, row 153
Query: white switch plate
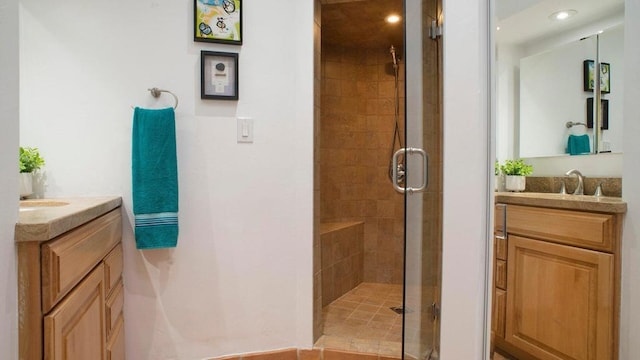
column 245, row 130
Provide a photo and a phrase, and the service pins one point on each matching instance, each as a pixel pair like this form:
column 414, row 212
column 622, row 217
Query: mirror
column 540, row 83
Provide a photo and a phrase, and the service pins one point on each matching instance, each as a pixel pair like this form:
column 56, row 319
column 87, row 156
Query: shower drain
column 400, row 310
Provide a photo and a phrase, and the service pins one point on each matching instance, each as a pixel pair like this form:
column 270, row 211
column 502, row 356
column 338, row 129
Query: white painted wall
column 467, row 163
column 630, row 312
column 8, row 177
column 601, row 165
column 612, row 52
column 240, row 279
column 507, row 102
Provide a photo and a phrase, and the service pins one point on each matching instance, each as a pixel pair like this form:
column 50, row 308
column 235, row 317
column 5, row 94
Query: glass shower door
column 423, row 219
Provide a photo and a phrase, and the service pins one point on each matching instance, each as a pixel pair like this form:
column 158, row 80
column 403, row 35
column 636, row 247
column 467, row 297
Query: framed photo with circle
column 218, row 75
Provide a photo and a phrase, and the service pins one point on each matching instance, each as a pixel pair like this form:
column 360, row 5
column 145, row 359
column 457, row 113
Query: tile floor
column 361, row 320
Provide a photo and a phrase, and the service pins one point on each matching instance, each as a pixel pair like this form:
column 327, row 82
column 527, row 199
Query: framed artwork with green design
column 218, row 21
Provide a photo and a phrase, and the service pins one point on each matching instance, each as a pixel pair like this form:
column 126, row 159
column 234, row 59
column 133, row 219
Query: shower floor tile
column 361, row 320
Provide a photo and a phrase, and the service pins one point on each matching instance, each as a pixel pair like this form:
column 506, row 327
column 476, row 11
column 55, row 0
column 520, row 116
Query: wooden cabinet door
column 115, row 347
column 560, row 300
column 499, row 305
column 75, row 328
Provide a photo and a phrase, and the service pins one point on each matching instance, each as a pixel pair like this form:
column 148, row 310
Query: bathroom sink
column 30, row 205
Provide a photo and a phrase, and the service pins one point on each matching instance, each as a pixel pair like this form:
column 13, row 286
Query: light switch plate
column 245, row 130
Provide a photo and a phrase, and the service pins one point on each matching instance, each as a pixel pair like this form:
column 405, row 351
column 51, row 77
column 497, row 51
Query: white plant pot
column 515, row 182
column 499, row 186
column 26, row 184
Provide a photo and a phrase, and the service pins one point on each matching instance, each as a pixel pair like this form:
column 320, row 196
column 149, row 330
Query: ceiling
column 521, row 21
column 361, row 23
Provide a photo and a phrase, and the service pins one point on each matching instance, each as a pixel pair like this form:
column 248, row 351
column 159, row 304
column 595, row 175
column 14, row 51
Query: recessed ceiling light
column 562, row 15
column 392, row 19
column 498, row 28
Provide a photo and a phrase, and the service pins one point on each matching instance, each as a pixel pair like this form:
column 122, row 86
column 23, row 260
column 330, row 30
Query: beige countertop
column 560, row 201
column 44, row 219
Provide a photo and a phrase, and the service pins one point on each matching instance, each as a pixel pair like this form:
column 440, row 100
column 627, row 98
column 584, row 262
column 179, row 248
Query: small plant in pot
column 30, row 161
column 515, row 172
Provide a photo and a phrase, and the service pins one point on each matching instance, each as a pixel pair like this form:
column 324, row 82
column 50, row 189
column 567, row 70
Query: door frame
column 468, row 150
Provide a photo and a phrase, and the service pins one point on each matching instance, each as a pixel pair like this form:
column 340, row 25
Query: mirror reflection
column 542, row 104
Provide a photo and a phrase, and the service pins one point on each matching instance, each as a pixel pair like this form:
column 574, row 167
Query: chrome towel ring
column 155, row 92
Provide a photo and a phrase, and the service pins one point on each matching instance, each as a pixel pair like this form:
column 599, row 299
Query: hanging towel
column 578, row 144
column 155, row 178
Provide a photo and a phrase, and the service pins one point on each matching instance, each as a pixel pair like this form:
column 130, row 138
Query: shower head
column 392, row 50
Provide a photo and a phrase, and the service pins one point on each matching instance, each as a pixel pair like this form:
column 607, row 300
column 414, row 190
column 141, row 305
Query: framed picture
column 218, row 75
column 218, row 21
column 605, row 113
column 589, row 79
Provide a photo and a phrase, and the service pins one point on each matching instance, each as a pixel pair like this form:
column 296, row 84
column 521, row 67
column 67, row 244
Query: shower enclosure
column 378, row 243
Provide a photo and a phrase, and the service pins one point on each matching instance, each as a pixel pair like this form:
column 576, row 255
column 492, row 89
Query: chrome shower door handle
column 394, row 170
column 425, row 166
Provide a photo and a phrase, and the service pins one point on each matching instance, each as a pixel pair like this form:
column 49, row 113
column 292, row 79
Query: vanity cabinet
column 71, row 293
column 499, row 273
column 556, row 283
column 75, row 328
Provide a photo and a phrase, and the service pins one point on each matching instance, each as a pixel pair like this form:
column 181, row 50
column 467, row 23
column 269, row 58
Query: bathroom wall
column 240, row 279
column 8, row 177
column 357, row 122
column 601, row 165
column 630, row 311
column 467, row 194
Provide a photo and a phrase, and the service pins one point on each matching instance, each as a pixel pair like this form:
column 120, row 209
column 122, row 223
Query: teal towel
column 155, row 178
column 578, row 144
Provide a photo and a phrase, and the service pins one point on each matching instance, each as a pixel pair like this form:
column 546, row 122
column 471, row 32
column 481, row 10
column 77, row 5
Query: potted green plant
column 30, row 161
column 515, row 172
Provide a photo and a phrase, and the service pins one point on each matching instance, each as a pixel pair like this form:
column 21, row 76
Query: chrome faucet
column 580, row 188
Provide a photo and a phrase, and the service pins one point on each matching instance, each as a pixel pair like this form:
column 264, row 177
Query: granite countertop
column 44, row 219
column 561, row 201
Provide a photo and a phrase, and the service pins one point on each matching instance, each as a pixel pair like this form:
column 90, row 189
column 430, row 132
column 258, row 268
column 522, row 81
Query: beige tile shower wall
column 342, row 258
column 356, row 130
